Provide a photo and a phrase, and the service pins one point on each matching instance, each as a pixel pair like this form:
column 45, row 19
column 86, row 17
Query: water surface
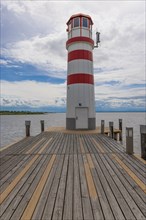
column 13, row 126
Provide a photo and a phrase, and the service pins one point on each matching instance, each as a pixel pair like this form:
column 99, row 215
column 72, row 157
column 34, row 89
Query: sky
column 34, row 56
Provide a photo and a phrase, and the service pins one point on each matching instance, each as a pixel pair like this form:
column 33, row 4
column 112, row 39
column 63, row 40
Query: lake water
column 13, row 126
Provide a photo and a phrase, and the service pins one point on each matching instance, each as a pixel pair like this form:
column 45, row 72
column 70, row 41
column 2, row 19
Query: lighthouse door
column 81, row 118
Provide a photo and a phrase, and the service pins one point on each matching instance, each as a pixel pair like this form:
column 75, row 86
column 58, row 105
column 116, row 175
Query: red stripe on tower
column 80, row 78
column 80, row 39
column 80, row 54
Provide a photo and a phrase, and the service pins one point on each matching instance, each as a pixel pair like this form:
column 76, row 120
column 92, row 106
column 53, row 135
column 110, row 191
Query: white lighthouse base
column 73, row 124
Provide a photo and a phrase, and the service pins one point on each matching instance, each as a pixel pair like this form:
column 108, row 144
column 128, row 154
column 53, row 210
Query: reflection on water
column 13, row 126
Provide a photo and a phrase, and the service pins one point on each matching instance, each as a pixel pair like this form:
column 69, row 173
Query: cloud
column 122, row 40
column 121, row 104
column 31, row 93
column 34, row 34
column 15, row 6
column 5, row 62
column 43, row 52
column 38, row 94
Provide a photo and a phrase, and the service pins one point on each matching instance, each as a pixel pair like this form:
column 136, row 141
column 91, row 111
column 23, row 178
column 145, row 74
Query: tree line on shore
column 19, row 112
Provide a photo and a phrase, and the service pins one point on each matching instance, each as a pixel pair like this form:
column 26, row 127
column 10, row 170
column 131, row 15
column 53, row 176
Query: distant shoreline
column 41, row 113
column 20, row 113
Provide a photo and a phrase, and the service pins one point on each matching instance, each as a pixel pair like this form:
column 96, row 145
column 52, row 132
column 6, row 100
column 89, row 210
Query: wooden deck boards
column 72, row 176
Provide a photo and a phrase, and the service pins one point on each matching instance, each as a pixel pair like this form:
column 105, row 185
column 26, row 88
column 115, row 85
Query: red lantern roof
column 80, row 15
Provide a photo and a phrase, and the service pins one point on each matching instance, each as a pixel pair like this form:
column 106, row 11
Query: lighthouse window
column 85, row 22
column 76, row 22
column 69, row 27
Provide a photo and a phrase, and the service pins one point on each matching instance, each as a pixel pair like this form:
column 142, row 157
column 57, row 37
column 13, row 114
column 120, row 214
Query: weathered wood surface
column 64, row 176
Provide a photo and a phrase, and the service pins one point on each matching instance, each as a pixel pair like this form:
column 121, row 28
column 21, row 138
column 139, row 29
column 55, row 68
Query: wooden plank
column 16, row 141
column 45, row 193
column 131, row 174
column 14, row 161
column 36, row 195
column 59, row 203
column 105, row 203
column 133, row 200
column 77, row 200
column 127, row 209
column 118, row 214
column 88, row 164
column 81, row 145
column 133, row 164
column 57, row 141
column 127, row 178
column 130, row 163
column 91, row 165
column 111, row 144
column 13, row 169
column 65, row 145
column 50, row 146
column 68, row 202
column 86, row 203
column 23, row 148
column 91, row 145
column 17, row 200
column 98, row 146
column 138, row 165
column 34, row 146
column 4, row 194
column 68, row 144
column 76, row 144
column 84, row 144
column 10, row 165
column 139, row 158
column 7, row 191
column 50, row 202
column 10, row 176
column 61, row 145
column 90, row 182
column 18, row 146
column 71, row 151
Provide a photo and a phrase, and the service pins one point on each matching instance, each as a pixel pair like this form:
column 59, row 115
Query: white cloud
column 44, row 52
column 121, row 26
column 120, row 56
column 15, row 6
column 4, row 62
column 36, row 94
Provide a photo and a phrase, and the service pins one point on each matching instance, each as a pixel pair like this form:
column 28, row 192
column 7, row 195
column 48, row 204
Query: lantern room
column 79, row 25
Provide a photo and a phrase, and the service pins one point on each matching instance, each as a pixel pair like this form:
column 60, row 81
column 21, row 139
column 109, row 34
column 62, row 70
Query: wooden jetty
column 71, row 176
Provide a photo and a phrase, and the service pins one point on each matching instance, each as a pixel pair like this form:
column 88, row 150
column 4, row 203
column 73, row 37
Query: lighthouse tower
column 80, row 80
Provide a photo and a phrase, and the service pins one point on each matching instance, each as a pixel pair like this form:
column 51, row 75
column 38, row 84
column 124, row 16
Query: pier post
column 143, row 141
column 120, row 128
column 117, row 137
column 27, row 126
column 129, row 141
column 102, row 126
column 111, row 129
column 42, row 125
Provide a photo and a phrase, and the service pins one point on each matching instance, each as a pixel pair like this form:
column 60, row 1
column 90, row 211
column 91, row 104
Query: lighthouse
column 80, row 112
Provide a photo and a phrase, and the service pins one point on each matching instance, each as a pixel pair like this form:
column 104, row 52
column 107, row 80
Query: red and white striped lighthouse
column 80, row 80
